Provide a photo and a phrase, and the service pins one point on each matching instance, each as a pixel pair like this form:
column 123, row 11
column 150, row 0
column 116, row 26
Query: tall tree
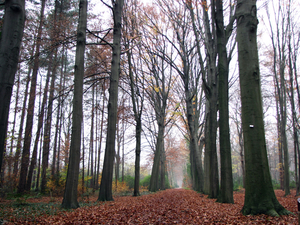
column 30, row 111
column 105, row 193
column 160, row 86
column 11, row 37
column 91, row 152
column 38, row 132
column 70, row 194
column 293, row 46
column 226, row 189
column 279, row 39
column 137, row 81
column 259, row 196
column 47, row 128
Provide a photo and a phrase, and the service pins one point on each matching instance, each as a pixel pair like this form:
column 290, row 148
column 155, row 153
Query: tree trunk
column 39, row 166
column 105, row 193
column 211, row 91
column 226, row 190
column 100, row 140
column 91, row 185
column 292, row 100
column 10, row 156
column 30, row 112
column 54, row 32
column 12, row 33
column 154, row 184
column 138, row 132
column 70, row 194
column 259, row 196
column 18, row 150
column 47, row 128
column 195, row 151
column 39, row 128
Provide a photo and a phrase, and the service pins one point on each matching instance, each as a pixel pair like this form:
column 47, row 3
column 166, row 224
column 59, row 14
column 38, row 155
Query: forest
column 126, row 97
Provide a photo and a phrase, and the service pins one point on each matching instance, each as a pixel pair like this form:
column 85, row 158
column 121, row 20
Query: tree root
column 273, row 212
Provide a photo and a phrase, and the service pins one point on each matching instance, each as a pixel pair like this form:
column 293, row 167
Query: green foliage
column 146, row 181
column 129, row 181
column 167, row 183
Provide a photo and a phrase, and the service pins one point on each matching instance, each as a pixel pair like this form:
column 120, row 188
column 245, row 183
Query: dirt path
column 174, row 206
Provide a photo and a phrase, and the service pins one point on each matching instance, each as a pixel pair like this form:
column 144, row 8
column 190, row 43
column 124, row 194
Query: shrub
column 146, row 181
column 120, row 188
column 56, row 185
column 129, row 181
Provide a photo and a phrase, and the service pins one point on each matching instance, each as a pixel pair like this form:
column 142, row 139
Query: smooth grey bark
column 154, row 180
column 101, row 135
column 105, row 192
column 11, row 37
column 70, row 193
column 163, row 165
column 226, row 188
column 259, row 194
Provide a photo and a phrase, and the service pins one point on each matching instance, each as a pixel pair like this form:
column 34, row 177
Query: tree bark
column 12, row 33
column 20, row 133
column 30, row 112
column 226, row 189
column 70, row 194
column 39, row 128
column 259, row 196
column 105, row 193
column 154, row 185
column 91, row 185
column 47, row 128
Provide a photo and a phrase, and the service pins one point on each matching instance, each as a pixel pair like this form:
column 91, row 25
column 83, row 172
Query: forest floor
column 173, row 206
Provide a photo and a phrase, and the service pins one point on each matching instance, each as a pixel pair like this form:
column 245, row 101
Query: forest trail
column 172, row 206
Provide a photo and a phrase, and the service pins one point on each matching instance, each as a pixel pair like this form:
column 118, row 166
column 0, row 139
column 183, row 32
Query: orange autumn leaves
column 173, row 206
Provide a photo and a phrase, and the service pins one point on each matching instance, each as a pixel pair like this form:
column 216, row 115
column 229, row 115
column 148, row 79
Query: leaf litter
column 172, row 206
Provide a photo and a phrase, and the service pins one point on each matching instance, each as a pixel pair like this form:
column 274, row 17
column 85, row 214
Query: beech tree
column 136, row 80
column 11, row 37
column 189, row 71
column 279, row 37
column 105, row 192
column 259, row 196
column 223, row 34
column 70, row 194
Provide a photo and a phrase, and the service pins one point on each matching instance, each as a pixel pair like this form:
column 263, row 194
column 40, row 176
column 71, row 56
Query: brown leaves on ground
column 174, row 206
